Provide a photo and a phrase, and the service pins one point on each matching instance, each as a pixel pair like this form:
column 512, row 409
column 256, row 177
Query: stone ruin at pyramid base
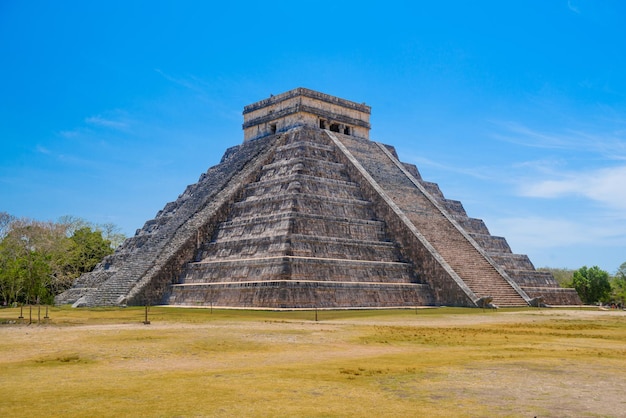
column 310, row 213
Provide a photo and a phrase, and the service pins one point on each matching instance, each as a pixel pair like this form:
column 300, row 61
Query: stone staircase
column 536, row 284
column 301, row 236
column 467, row 260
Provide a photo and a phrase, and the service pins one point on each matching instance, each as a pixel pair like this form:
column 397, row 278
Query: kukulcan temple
column 308, row 212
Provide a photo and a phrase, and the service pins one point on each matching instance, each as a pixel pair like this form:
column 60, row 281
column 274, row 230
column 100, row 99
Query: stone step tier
column 541, row 284
column 296, row 294
column 302, row 183
column 302, row 165
column 298, row 268
column 301, row 223
column 301, row 245
column 305, row 282
column 309, row 204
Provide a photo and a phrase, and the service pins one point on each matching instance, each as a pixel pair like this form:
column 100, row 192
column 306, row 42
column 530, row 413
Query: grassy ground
column 191, row 362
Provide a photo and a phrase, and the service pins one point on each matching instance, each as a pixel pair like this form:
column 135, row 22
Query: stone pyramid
column 309, row 213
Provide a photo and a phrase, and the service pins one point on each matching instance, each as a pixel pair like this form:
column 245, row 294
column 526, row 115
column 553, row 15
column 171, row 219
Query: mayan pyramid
column 308, row 212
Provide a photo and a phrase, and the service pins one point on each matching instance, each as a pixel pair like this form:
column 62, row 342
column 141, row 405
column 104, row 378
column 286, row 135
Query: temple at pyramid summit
column 308, row 212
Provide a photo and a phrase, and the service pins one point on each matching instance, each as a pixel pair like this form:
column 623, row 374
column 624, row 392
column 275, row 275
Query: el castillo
column 309, row 212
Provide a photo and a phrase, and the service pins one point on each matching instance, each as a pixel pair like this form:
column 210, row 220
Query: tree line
column 39, row 260
column 593, row 284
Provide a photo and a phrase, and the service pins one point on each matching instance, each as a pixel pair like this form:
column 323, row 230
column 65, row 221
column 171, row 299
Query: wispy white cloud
column 211, row 93
column 107, row 122
column 70, row 134
column 604, row 142
column 43, row 150
column 66, row 156
column 558, row 241
column 114, row 121
column 483, row 173
column 190, row 82
column 546, row 166
column 519, row 134
column 573, row 7
column 538, row 232
column 610, row 144
column 606, row 186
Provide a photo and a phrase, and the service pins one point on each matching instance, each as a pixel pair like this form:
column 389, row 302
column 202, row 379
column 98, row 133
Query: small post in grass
column 146, row 321
column 21, row 311
column 46, row 317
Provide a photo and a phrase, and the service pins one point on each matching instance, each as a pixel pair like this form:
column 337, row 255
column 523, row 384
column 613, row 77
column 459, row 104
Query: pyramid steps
column 492, row 244
column 298, row 268
column 302, row 221
column 308, row 166
column 471, row 266
column 308, row 204
column 300, row 245
column 301, row 294
column 304, row 282
column 301, row 183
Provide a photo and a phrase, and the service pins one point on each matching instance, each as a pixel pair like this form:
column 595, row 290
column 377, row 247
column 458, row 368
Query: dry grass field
column 228, row 363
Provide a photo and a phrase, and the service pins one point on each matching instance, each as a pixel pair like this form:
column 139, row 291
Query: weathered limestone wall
column 304, row 107
column 301, row 294
column 297, row 268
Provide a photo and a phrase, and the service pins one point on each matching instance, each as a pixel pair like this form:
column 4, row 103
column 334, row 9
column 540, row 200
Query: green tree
column 25, row 267
column 73, row 223
column 11, row 279
column 592, row 284
column 41, row 259
column 88, row 250
column 618, row 285
column 112, row 233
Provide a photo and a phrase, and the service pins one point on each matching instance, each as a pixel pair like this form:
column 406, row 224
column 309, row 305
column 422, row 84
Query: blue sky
column 518, row 109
